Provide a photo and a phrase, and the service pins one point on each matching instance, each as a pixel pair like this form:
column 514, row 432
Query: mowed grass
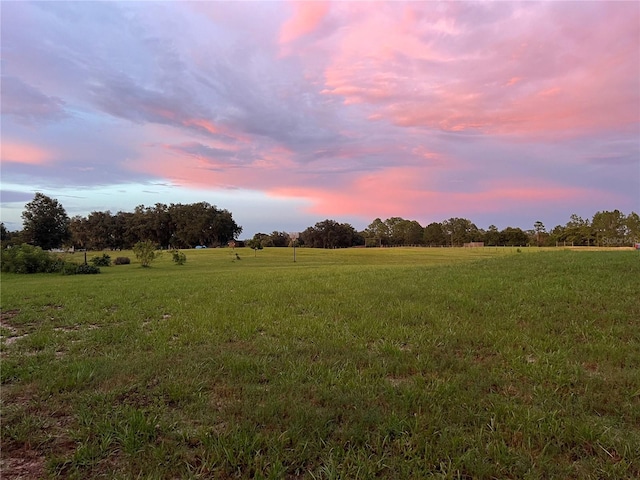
column 357, row 363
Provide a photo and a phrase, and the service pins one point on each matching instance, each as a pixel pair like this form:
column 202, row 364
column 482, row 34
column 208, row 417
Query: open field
column 356, row 363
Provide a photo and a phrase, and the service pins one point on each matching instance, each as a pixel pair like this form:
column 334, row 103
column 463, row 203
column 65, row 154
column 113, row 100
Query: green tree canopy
column 46, row 223
column 460, row 230
column 434, row 235
column 331, row 234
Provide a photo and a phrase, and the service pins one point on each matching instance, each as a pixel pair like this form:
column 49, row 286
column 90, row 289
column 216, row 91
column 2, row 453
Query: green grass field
column 348, row 364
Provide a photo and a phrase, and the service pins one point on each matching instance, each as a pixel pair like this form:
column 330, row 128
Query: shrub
column 69, row 268
column 87, row 269
column 103, row 261
column 145, row 252
column 27, row 259
column 178, row 257
column 122, row 261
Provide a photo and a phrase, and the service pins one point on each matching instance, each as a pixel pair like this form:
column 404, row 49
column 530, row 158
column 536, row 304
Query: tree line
column 606, row 228
column 46, row 224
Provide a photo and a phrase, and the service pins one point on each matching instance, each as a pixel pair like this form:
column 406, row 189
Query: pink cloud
column 201, row 123
column 217, row 130
column 538, row 71
column 306, row 17
column 414, row 193
column 24, row 153
column 192, row 164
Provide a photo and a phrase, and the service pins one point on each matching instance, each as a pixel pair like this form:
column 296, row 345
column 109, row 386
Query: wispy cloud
column 27, row 104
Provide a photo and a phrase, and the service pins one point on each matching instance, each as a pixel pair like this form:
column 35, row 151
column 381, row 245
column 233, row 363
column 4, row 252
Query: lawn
column 357, row 363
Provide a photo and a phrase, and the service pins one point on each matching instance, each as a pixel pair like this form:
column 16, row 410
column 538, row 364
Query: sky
column 289, row 113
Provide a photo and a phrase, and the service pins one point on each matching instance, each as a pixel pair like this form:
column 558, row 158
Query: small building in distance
column 473, row 244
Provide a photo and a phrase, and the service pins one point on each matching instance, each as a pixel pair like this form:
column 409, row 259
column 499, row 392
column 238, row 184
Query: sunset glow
column 24, row 153
column 501, row 112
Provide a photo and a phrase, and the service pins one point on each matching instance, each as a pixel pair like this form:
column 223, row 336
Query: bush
column 69, row 268
column 122, row 261
column 178, row 257
column 145, row 252
column 87, row 269
column 103, row 261
column 27, row 259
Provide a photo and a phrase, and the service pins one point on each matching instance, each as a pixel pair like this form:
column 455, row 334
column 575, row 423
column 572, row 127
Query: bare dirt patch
column 6, row 315
column 14, row 334
column 23, row 464
column 13, row 339
column 76, row 328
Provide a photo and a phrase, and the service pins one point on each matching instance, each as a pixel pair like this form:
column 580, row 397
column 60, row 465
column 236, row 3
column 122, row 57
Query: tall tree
column 632, row 222
column 377, row 233
column 492, row 236
column 411, row 232
column 280, row 239
column 202, row 224
column 46, row 223
column 539, row 228
column 330, row 234
column 609, row 228
column 460, row 230
column 79, row 231
column 513, row 237
column 4, row 233
column 578, row 231
column 434, row 235
column 404, row 232
column 6, row 237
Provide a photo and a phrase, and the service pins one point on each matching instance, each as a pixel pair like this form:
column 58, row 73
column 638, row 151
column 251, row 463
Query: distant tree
column 557, row 235
column 255, row 244
column 460, row 230
column 434, row 235
column 539, row 230
column 513, row 237
column 99, row 229
column 280, row 239
column 78, row 231
column 632, row 223
column 377, row 233
column 578, row 231
column 610, row 228
column 202, row 224
column 124, row 237
column 262, row 239
column 5, row 235
column 412, row 232
column 396, row 228
column 46, row 223
column 393, row 231
column 331, row 234
column 404, row 232
column 492, row 236
column 162, row 225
